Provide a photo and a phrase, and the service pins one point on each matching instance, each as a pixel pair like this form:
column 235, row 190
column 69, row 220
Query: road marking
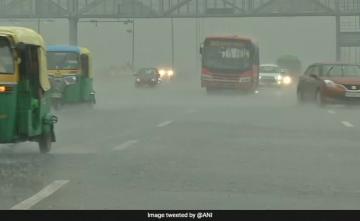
column 331, row 112
column 44, row 193
column 347, row 124
column 125, row 145
column 165, row 123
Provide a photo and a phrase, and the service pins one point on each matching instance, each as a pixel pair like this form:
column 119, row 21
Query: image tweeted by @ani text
column 199, row 215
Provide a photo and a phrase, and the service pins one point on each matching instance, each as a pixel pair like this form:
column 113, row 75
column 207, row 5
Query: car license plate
column 352, row 94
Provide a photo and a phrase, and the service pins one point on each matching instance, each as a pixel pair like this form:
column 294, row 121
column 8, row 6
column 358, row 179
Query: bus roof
column 23, row 35
column 68, row 48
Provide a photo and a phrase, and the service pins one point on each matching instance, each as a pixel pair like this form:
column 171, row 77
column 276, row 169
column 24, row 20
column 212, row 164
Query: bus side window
column 85, row 65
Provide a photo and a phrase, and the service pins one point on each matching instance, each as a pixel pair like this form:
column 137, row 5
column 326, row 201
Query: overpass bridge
column 346, row 13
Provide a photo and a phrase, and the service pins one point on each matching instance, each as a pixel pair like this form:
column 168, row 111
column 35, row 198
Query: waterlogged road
column 174, row 147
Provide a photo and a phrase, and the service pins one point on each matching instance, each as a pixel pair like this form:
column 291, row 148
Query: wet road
column 174, row 147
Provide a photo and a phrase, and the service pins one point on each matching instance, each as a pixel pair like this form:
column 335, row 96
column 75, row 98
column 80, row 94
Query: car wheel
column 319, row 98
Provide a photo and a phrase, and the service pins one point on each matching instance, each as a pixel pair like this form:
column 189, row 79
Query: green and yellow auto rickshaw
column 24, row 89
column 70, row 75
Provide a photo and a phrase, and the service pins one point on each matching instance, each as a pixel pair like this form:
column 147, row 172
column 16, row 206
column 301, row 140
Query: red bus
column 229, row 62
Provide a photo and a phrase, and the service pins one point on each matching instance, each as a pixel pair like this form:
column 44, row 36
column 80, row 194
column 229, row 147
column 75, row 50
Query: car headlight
column 329, row 83
column 279, row 77
column 69, row 80
column 170, row 73
column 137, row 79
column 162, row 72
column 287, row 80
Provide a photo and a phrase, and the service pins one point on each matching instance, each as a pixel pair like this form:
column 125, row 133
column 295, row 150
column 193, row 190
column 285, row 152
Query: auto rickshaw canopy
column 73, row 49
column 30, row 37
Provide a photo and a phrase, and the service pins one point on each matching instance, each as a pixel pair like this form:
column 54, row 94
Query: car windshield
column 227, row 55
column 147, row 71
column 270, row 69
column 342, row 70
column 6, row 57
column 63, row 60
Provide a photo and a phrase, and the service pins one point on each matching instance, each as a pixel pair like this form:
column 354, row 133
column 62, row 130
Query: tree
column 291, row 63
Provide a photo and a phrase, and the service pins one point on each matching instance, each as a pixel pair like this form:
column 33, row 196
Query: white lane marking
column 347, row 124
column 165, row 123
column 125, row 145
column 44, row 193
column 331, row 112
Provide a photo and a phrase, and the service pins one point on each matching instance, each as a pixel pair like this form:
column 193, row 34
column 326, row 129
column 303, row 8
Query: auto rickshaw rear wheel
column 45, row 143
column 91, row 104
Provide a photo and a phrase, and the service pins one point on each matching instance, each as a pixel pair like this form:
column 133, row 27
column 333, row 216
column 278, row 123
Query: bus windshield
column 6, row 57
column 227, row 55
column 63, row 60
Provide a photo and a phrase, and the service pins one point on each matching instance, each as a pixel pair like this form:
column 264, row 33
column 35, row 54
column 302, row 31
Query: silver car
column 272, row 75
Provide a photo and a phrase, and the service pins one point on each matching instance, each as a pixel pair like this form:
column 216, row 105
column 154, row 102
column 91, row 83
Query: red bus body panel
column 246, row 80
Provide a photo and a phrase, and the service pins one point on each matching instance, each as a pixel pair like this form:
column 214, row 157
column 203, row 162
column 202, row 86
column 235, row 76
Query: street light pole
column 130, row 31
column 172, row 44
column 133, row 45
column 38, row 26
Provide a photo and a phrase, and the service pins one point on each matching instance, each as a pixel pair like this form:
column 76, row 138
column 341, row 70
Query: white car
column 273, row 75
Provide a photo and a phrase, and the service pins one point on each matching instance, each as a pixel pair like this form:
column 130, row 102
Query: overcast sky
column 312, row 39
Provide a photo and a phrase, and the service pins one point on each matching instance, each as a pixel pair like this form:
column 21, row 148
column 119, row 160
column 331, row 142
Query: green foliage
column 291, row 63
